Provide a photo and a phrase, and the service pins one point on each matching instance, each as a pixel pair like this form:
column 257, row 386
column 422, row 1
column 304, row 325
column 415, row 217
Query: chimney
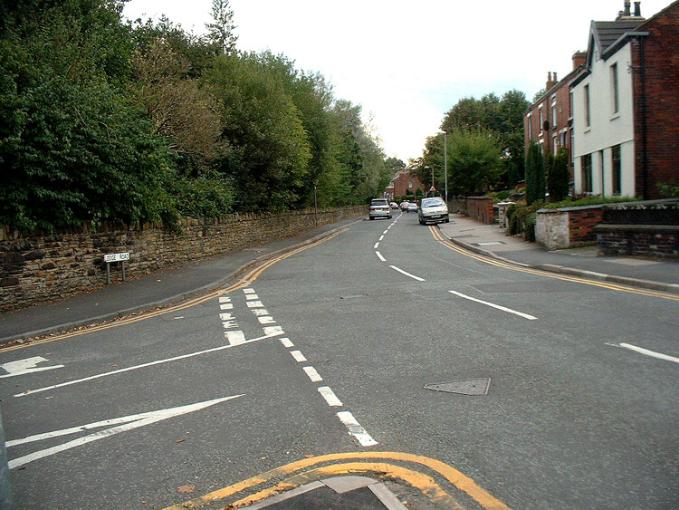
column 627, row 8
column 637, row 9
column 579, row 59
column 551, row 80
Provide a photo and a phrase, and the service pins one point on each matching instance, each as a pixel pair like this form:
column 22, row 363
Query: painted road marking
column 273, row 330
column 299, row 357
column 254, row 304
column 379, row 256
column 266, row 319
column 248, row 291
column 377, row 245
column 251, row 297
column 25, row 366
column 235, row 337
column 313, row 374
column 127, row 423
column 407, row 274
column 226, row 317
column 381, row 238
column 355, row 429
column 260, row 312
column 287, row 343
column 385, row 232
column 138, row 367
column 329, row 396
column 499, row 307
column 226, row 306
column 224, row 299
column 647, row 352
column 229, row 324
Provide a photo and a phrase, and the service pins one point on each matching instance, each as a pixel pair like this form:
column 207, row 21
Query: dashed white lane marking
column 260, row 312
column 273, row 330
column 224, row 299
column 235, row 337
column 251, row 297
column 25, row 366
column 380, row 239
column 287, row 343
column 226, row 306
column 299, row 357
column 248, row 291
column 266, row 319
column 329, row 396
column 499, row 307
column 377, row 245
column 379, row 256
column 385, row 232
column 254, row 304
column 407, row 274
column 124, row 423
column 355, row 429
column 143, row 365
column 647, row 352
column 313, row 374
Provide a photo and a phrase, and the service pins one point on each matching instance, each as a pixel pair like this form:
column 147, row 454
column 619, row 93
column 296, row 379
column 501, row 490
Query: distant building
column 625, row 104
column 402, row 183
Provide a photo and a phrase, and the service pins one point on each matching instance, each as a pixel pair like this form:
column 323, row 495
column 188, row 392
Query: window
column 554, row 112
column 529, row 122
column 601, row 173
column 555, row 145
column 616, row 169
column 615, row 98
column 542, row 116
column 586, row 164
column 588, row 120
column 570, row 104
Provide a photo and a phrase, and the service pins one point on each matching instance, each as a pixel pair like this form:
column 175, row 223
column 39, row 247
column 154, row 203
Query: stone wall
column 568, row 227
column 481, row 209
column 37, row 268
column 649, row 240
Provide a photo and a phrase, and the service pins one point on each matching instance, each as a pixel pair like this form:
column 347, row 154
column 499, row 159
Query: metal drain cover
column 468, row 387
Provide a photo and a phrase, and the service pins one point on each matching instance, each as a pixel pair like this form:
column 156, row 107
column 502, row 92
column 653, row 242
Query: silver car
column 379, row 208
column 433, row 210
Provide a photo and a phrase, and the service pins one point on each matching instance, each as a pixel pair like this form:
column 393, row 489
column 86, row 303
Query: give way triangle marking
column 122, row 424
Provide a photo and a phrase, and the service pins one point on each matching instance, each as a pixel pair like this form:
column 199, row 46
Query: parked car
column 379, row 208
column 404, row 206
column 412, row 207
column 433, row 210
column 393, row 205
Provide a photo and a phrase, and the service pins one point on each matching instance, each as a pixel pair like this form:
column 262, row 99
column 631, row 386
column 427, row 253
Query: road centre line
column 493, row 305
column 313, row 374
column 329, row 396
column 381, row 238
column 355, row 429
column 377, row 245
column 407, row 274
column 299, row 357
column 287, row 343
column 385, row 232
column 143, row 365
column 379, row 256
column 647, row 352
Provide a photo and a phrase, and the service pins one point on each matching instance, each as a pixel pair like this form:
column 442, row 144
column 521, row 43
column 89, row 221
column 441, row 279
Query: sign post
column 115, row 257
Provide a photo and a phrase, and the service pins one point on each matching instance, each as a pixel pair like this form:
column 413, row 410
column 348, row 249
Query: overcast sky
column 408, row 62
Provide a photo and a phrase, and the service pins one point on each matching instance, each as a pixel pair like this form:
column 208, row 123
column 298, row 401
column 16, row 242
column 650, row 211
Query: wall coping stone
column 607, row 227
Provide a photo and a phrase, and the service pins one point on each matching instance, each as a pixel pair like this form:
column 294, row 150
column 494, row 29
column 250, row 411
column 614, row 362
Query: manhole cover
column 468, row 387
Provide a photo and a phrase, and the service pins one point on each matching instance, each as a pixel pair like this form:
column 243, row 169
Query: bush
column 522, row 219
column 589, row 201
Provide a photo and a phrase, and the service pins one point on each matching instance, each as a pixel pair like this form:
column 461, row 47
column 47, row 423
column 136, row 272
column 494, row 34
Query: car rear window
column 378, row 202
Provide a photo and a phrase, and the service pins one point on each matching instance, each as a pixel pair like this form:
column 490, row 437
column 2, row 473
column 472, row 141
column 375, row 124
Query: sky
column 408, row 62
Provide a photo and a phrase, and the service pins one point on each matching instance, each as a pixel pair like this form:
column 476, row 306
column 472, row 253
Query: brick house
column 403, row 182
column 548, row 121
column 624, row 105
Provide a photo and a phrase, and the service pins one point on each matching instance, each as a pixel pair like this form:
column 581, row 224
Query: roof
column 608, row 32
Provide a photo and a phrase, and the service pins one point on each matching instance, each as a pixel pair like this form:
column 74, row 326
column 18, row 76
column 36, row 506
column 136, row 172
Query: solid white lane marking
column 379, row 256
column 313, row 374
column 226, row 306
column 248, row 291
column 273, row 330
column 499, row 307
column 229, row 324
column 266, row 319
column 648, row 352
column 355, row 429
column 251, row 297
column 224, row 299
column 329, row 396
column 381, row 237
column 25, row 366
column 377, row 245
column 287, row 343
column 407, row 274
column 137, row 367
column 226, row 316
column 260, row 312
column 128, row 423
column 235, row 337
column 254, row 304
column 299, row 357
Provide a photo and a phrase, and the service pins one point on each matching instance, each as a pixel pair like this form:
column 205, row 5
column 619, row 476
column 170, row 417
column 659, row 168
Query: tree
column 557, row 176
column 221, row 32
column 535, row 174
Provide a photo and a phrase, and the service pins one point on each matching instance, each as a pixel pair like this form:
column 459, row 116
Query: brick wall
column 662, row 100
column 568, row 227
column 581, row 223
column 37, row 268
column 480, row 209
column 653, row 240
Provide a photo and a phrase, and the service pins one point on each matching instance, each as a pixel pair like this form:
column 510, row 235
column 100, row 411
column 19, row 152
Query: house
column 625, row 101
column 548, row 120
column 404, row 183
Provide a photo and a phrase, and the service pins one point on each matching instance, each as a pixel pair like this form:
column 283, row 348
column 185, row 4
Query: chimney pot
column 637, row 9
column 627, row 7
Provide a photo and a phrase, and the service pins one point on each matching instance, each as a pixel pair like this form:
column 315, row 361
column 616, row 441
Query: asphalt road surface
column 329, row 351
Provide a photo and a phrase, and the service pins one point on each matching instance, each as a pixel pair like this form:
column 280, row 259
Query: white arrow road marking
column 25, row 366
column 493, row 305
column 124, row 423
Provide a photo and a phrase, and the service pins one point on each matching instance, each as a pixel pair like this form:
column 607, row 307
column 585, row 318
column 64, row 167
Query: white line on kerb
column 407, row 274
column 329, row 396
column 648, row 352
column 313, row 374
column 379, row 256
column 355, row 429
column 499, row 307
column 299, row 357
column 377, row 245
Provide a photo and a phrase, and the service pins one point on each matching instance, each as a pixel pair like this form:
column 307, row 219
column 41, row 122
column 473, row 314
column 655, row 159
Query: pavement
column 492, row 240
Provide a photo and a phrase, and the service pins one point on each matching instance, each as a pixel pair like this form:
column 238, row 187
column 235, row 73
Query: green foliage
column 595, row 200
column 557, row 176
column 668, row 190
column 521, row 219
column 535, row 174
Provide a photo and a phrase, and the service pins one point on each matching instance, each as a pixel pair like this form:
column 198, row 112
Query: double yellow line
column 246, row 280
column 420, row 472
column 436, row 233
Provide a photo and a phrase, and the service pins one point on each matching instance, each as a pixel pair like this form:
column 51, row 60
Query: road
column 329, row 352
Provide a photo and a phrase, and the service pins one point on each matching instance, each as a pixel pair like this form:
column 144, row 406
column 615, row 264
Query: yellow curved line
column 540, row 272
column 249, row 278
column 452, row 475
